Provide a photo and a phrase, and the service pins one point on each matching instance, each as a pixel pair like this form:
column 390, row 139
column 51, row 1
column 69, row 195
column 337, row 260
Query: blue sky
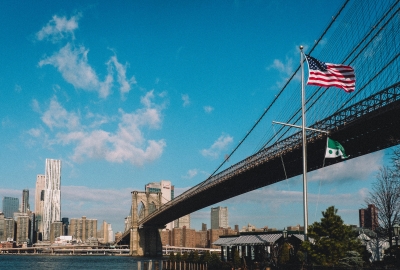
column 131, row 92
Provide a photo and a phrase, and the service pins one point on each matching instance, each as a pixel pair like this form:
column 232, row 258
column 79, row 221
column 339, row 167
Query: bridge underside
column 377, row 130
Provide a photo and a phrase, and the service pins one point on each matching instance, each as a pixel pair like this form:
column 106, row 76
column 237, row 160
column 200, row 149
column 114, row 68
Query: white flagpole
column 304, row 146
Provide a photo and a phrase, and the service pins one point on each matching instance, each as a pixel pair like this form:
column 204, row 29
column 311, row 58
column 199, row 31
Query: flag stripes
column 330, row 75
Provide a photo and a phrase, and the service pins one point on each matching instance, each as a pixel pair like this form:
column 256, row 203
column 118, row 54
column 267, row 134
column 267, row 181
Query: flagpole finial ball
column 301, row 47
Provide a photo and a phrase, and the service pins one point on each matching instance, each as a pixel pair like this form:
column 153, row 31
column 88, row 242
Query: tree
column 352, row 260
column 178, row 257
column 330, row 239
column 185, row 256
column 284, row 255
column 195, row 257
column 215, row 262
column 236, row 259
column 172, row 256
column 205, row 257
column 385, row 195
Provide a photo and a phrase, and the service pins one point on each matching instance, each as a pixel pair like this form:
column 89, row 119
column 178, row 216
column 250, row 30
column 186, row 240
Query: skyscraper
column 52, row 195
column 219, row 217
column 167, row 191
column 2, row 228
column 22, row 233
column 10, row 206
column 25, row 201
column 83, row 228
column 183, row 222
column 39, row 201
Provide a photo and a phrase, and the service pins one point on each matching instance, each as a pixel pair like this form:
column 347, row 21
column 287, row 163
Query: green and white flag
column 334, row 149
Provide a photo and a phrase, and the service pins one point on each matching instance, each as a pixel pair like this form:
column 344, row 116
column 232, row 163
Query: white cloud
column 110, row 205
column 219, row 145
column 125, row 85
column 74, row 66
column 359, row 168
column 35, row 132
column 59, row 28
column 208, row 109
column 186, row 100
column 286, row 67
column 191, row 173
column 58, row 117
column 126, row 143
column 35, row 106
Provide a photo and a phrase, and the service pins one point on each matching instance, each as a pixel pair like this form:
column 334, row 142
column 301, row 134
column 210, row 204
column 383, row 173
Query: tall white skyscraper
column 219, row 217
column 52, row 195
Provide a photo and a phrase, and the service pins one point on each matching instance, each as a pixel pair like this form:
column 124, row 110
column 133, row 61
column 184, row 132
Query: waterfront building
column 201, row 240
column 2, row 227
column 185, row 237
column 32, row 227
column 10, row 228
column 214, row 234
column 39, row 201
column 106, row 234
column 219, row 217
column 23, row 232
column 65, row 223
column 52, row 196
column 369, row 217
column 25, row 207
column 10, row 206
column 56, row 230
column 82, row 229
column 168, row 193
column 295, row 228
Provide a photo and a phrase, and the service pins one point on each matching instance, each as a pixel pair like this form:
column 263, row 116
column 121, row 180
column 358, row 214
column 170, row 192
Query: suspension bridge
column 362, row 34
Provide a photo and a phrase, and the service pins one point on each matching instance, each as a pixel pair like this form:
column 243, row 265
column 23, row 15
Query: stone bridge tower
column 145, row 241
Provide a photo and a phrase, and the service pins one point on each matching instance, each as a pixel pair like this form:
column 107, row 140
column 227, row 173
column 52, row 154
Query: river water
column 86, row 262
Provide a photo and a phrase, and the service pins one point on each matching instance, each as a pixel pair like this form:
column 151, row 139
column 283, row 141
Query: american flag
column 327, row 75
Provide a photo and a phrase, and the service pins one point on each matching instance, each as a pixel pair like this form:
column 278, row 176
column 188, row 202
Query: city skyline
column 137, row 92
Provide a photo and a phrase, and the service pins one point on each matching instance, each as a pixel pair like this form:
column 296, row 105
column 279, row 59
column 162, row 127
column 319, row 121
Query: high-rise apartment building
column 2, row 228
column 25, row 207
column 219, row 217
column 9, row 228
column 52, row 196
column 82, row 229
column 106, row 233
column 23, row 232
column 167, row 190
column 10, row 206
column 56, row 230
column 369, row 217
column 39, row 201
